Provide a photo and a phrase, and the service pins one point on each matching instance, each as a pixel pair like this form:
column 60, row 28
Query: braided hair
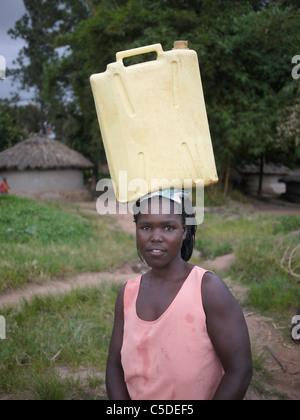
column 187, row 212
column 189, row 242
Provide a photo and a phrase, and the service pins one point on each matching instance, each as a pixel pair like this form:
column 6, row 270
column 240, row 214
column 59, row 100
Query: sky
column 10, row 12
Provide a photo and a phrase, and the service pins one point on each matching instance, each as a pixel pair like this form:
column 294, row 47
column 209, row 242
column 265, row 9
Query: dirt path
column 282, row 357
column 53, row 287
column 282, row 360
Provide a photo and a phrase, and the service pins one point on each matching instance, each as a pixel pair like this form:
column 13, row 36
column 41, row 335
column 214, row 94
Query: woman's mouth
column 156, row 251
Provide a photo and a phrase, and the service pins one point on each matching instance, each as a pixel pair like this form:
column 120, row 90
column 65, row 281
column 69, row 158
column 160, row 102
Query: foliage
column 9, row 134
column 16, row 123
column 244, row 47
column 39, row 26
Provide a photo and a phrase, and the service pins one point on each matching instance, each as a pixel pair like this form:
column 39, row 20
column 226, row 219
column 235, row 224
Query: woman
column 178, row 333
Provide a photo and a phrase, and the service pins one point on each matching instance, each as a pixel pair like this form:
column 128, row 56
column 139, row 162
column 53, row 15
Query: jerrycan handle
column 137, row 51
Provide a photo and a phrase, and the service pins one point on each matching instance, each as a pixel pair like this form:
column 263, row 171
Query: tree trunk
column 227, row 178
column 261, row 174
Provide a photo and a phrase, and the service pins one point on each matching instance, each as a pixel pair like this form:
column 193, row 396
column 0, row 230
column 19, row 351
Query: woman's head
column 166, row 228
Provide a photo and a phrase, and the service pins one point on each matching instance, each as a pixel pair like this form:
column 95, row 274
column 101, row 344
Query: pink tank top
column 171, row 358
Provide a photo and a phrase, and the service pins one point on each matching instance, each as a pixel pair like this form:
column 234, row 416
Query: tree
column 43, row 21
column 9, row 133
column 244, row 48
column 119, row 25
column 16, row 123
column 259, row 54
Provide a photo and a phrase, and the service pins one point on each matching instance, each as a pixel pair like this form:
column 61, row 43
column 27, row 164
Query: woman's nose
column 156, row 236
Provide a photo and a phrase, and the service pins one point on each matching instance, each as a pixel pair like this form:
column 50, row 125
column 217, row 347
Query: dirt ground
column 281, row 355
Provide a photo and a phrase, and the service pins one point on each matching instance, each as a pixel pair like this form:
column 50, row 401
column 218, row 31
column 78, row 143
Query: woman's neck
column 175, row 270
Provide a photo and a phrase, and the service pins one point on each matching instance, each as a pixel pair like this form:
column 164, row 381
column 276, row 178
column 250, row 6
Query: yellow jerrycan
column 153, row 123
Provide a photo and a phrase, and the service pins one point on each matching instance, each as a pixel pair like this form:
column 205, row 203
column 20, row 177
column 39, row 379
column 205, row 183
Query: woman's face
column 159, row 233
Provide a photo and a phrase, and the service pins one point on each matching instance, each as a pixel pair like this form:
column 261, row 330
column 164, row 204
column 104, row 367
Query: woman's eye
column 146, row 228
column 168, row 228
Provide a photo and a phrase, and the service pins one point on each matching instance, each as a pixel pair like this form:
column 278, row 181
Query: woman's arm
column 228, row 332
column 115, row 383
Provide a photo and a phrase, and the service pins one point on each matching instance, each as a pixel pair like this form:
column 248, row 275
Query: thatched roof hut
column 43, row 167
column 292, row 182
column 270, row 185
column 292, row 177
column 40, row 152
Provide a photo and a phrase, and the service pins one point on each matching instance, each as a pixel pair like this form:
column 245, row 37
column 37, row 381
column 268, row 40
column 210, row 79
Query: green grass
column 221, row 233
column 24, row 221
column 71, row 330
column 259, row 243
column 39, row 241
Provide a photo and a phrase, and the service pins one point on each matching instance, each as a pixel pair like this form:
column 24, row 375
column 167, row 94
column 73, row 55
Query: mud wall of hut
column 46, row 180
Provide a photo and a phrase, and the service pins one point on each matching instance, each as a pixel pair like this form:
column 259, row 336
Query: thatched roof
column 293, row 177
column 40, row 152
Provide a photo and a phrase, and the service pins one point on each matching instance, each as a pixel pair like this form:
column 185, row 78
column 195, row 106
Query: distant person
column 4, row 187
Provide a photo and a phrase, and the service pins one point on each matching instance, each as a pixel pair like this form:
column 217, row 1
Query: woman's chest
column 153, row 302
